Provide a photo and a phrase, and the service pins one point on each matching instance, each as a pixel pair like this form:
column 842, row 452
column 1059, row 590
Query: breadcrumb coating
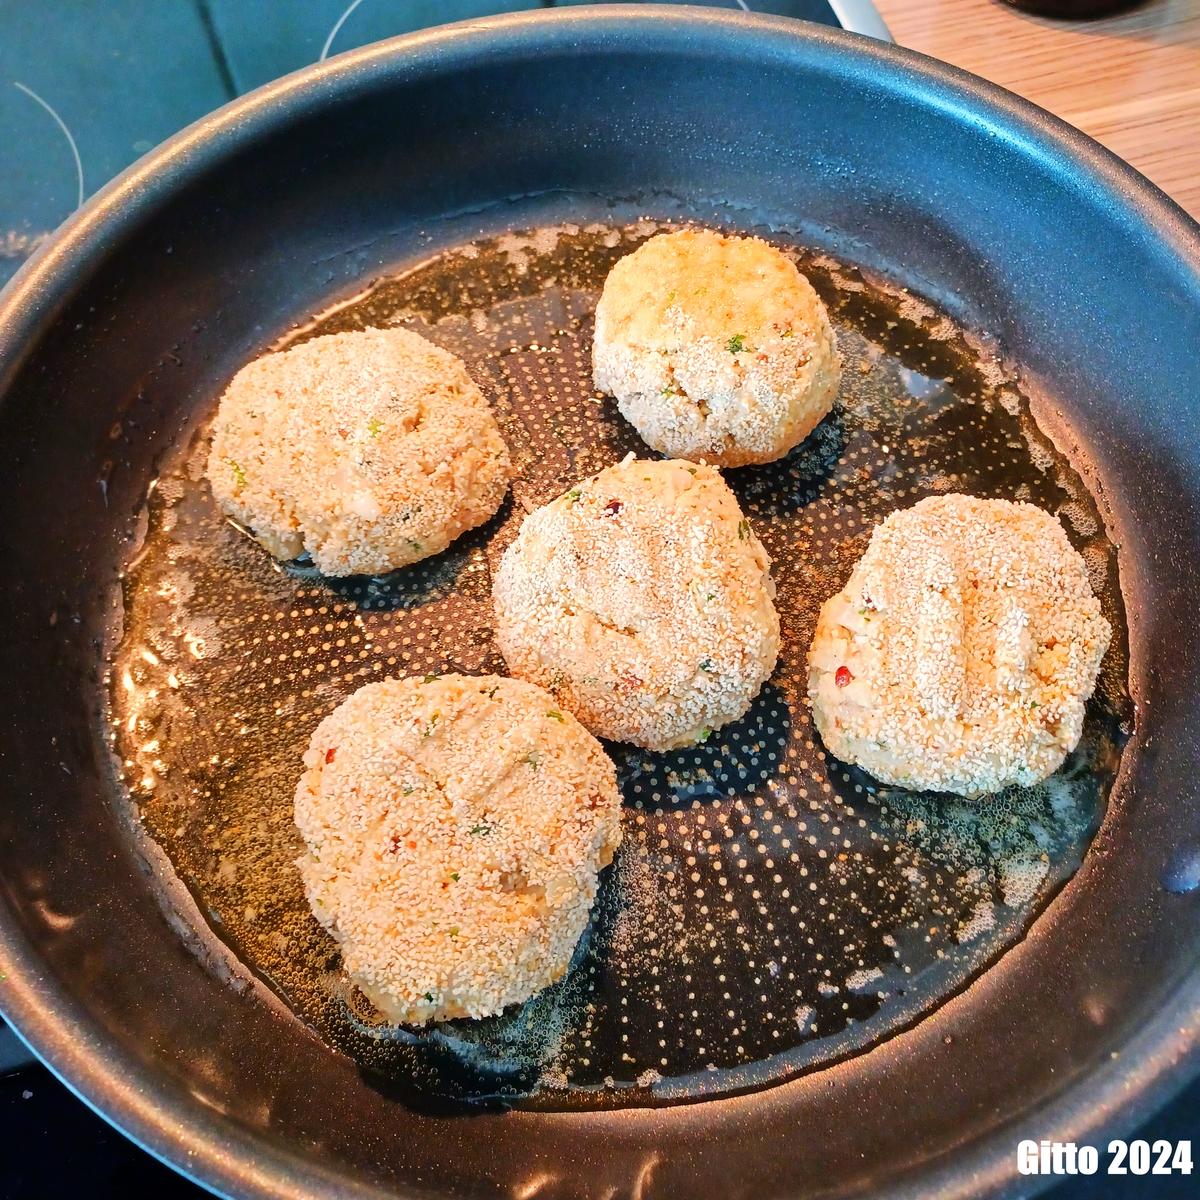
column 960, row 655
column 643, row 600
column 369, row 450
column 715, row 347
column 455, row 828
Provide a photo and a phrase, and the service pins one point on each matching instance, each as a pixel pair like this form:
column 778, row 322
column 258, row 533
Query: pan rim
column 153, row 1110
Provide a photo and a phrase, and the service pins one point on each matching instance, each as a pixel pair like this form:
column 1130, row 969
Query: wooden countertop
column 1131, row 81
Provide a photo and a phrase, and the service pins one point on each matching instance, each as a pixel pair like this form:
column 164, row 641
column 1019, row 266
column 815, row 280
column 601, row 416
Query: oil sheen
column 770, row 909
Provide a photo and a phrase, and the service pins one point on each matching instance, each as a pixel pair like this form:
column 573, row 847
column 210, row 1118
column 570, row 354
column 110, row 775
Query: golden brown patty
column 643, row 600
column 368, row 450
column 455, row 827
column 961, row 653
column 715, row 347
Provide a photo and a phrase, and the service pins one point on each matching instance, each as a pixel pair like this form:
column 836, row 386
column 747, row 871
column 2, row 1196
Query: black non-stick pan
column 797, row 983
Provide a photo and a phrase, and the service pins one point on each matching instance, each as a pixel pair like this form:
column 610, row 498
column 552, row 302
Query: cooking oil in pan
column 770, row 909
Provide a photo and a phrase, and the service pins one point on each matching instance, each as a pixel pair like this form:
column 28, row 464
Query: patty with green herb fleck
column 644, row 601
column 715, row 348
column 962, row 651
column 367, row 450
column 455, row 827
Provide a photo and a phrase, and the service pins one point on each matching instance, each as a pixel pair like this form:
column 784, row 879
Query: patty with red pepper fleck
column 962, row 651
column 643, row 600
column 715, row 348
column 454, row 830
column 367, row 450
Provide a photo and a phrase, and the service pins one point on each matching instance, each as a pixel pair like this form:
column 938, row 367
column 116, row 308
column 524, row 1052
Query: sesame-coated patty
column 455, row 827
column 369, row 450
column 962, row 651
column 715, row 347
column 643, row 599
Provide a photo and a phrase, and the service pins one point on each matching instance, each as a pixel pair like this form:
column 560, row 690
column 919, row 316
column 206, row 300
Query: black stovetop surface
column 52, row 1145
column 121, row 77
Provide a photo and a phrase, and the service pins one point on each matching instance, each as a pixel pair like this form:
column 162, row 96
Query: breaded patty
column 455, row 827
column 715, row 348
column 962, row 651
column 643, row 600
column 368, row 450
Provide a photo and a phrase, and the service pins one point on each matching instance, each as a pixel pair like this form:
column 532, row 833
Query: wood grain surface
column 1131, row 81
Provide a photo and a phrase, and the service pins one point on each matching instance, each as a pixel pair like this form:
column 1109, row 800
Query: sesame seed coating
column 369, row 450
column 455, row 827
column 715, row 347
column 962, row 651
column 643, row 600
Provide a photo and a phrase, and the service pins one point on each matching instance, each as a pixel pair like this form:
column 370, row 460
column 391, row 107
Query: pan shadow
column 734, row 761
column 779, row 488
column 468, row 1066
column 422, row 583
column 1051, row 822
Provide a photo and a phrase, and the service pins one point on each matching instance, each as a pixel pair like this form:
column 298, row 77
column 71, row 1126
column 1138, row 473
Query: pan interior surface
column 771, row 911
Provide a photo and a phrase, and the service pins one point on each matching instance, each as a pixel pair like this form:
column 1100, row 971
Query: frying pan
column 123, row 328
